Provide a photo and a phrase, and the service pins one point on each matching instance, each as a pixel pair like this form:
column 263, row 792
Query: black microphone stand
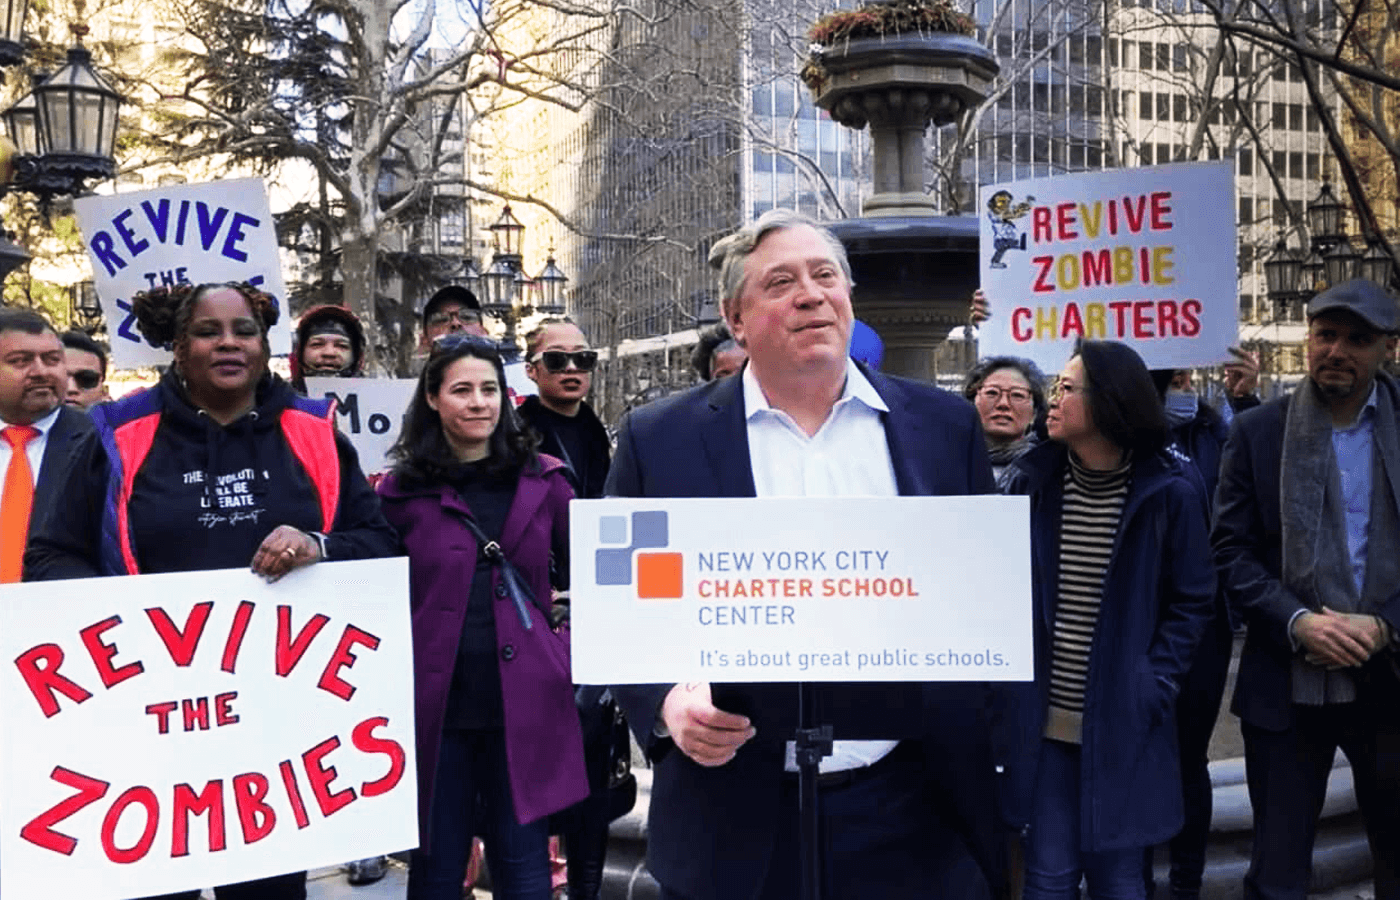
column 813, row 744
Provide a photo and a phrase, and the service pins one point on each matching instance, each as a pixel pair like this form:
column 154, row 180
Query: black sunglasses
column 87, row 379
column 558, row 360
column 449, row 342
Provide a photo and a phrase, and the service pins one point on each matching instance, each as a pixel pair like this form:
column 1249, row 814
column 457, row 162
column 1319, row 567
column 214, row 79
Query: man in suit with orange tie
column 36, row 429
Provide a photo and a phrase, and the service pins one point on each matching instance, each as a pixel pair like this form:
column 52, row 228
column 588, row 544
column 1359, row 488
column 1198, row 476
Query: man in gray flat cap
column 1307, row 539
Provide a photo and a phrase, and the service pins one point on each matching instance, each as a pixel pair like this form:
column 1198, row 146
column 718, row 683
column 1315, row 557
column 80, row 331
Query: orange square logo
column 659, row 576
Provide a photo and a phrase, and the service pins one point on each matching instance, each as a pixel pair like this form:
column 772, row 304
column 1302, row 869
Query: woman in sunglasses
column 484, row 519
column 220, row 465
column 560, row 363
column 1123, row 587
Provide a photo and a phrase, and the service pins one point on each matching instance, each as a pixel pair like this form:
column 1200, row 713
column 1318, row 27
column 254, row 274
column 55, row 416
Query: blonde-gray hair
column 729, row 254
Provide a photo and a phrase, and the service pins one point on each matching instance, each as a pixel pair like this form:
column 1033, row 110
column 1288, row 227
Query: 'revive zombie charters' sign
column 169, row 732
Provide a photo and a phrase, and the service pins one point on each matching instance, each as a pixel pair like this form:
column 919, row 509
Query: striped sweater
column 1093, row 505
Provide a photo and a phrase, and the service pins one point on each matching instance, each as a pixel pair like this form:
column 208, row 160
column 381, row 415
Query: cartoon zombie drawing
column 1005, row 233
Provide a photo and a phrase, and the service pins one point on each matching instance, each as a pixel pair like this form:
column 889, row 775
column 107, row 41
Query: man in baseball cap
column 1307, row 519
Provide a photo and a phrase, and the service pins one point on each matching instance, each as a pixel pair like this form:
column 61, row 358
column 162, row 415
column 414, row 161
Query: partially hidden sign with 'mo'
column 1143, row 256
column 191, row 233
column 169, row 732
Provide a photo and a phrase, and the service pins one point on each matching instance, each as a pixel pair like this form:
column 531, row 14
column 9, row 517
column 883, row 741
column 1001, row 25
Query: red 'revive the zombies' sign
column 166, row 732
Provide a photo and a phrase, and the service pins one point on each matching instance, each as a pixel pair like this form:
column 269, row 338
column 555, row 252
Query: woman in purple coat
column 499, row 746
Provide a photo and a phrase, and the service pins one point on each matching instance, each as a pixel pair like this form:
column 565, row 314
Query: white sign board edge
column 949, row 601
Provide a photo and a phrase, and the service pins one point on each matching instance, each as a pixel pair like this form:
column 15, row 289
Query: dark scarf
column 1316, row 558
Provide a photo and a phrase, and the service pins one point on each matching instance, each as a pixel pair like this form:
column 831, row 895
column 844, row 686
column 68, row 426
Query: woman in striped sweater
column 1123, row 587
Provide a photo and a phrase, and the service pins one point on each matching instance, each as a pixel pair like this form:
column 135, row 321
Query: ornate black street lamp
column 1377, row 265
column 84, row 307
column 551, row 282
column 1295, row 276
column 64, row 130
column 507, row 292
column 11, row 31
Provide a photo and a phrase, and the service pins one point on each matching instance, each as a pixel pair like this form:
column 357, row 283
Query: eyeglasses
column 558, row 360
column 464, row 316
column 86, row 379
column 449, row 342
column 1060, row 388
column 993, row 395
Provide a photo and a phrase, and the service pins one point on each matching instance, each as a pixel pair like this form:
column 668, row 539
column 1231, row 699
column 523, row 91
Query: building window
column 1246, row 158
column 1180, row 113
column 1145, row 105
column 1246, row 210
column 1145, row 56
column 1279, row 120
column 1295, row 116
column 763, row 100
column 1164, row 110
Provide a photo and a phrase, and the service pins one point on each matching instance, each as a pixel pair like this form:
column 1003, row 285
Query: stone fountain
column 914, row 269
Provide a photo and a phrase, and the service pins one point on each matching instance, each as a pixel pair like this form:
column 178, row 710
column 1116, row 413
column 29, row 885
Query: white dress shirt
column 34, row 449
column 849, row 456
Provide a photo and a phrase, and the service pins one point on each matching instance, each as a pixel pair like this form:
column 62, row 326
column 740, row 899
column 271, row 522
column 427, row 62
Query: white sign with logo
column 1143, row 256
column 170, row 732
column 801, row 589
column 194, row 233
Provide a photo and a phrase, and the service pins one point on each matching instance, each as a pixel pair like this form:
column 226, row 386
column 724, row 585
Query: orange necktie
column 16, row 502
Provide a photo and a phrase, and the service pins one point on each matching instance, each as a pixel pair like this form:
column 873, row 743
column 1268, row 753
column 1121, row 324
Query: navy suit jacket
column 712, row 829
column 1247, row 540
column 71, row 425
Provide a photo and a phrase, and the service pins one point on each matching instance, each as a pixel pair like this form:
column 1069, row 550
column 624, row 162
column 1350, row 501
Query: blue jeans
column 471, row 796
column 1055, row 864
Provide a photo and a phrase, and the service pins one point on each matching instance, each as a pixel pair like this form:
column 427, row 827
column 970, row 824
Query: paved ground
column 330, row 884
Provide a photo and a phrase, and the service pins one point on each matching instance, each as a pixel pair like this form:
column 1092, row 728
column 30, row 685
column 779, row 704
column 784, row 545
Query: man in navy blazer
column 802, row 419
column 1307, row 519
column 33, row 382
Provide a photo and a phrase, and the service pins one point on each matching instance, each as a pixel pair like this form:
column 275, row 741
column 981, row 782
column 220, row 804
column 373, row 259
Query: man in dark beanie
column 330, row 344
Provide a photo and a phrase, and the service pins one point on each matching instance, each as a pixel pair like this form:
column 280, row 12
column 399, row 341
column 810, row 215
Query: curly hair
column 163, row 313
column 713, row 339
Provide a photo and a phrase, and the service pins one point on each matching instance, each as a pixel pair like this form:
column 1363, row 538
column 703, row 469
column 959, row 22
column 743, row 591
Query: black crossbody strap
column 515, row 583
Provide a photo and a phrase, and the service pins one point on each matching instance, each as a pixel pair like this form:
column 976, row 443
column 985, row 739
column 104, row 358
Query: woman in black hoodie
column 224, row 466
